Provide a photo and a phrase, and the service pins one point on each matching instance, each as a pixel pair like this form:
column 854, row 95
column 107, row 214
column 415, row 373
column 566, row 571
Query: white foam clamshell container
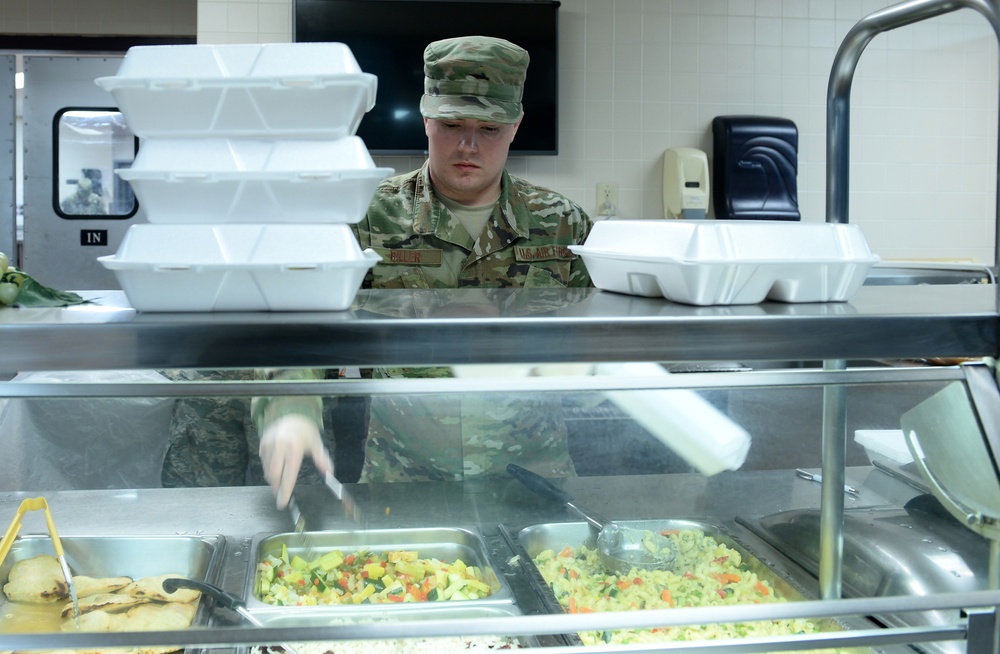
column 683, row 420
column 296, row 267
column 709, row 262
column 254, row 180
column 884, row 444
column 279, row 89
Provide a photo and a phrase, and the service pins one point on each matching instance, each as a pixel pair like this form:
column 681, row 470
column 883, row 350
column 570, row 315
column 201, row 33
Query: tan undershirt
column 472, row 218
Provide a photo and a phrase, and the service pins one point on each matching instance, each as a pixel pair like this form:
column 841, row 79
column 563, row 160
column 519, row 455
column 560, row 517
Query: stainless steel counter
column 489, row 326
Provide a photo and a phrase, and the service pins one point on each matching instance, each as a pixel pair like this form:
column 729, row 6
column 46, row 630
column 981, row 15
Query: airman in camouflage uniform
column 471, row 83
column 423, row 245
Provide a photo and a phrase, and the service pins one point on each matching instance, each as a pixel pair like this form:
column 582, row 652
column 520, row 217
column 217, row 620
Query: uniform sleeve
column 266, row 410
column 578, row 276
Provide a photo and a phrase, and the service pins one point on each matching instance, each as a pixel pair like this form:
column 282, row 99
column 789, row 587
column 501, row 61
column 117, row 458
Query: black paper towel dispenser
column 755, row 165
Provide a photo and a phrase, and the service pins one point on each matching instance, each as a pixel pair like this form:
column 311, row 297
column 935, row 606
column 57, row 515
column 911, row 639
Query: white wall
column 639, row 76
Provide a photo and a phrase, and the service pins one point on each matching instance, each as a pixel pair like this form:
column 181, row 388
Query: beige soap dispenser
column 685, row 183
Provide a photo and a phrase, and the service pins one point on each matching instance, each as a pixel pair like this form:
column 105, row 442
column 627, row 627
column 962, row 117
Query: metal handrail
column 838, row 106
column 838, row 103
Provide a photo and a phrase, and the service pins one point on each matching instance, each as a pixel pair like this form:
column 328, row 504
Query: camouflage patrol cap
column 478, row 77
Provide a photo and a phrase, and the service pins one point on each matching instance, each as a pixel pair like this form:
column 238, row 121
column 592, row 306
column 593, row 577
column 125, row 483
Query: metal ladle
column 221, row 597
column 620, row 548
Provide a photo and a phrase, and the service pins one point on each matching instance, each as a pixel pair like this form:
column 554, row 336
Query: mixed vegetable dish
column 365, row 577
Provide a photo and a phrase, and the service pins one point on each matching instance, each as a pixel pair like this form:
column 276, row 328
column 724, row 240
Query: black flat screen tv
column 388, row 37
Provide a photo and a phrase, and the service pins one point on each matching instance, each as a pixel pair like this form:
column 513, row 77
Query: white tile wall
column 640, row 76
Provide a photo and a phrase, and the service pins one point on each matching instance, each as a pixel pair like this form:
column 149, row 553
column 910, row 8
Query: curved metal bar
column 837, row 211
column 838, row 103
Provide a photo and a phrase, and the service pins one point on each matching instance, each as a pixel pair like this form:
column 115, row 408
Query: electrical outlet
column 607, row 198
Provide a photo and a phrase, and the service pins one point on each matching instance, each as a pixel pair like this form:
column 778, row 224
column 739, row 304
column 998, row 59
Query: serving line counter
column 472, row 327
column 243, row 513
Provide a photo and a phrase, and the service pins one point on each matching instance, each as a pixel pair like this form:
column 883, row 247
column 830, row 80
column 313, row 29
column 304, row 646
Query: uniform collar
column 430, row 216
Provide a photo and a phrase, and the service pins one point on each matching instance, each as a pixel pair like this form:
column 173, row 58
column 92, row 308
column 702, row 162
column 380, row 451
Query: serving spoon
column 222, row 598
column 619, row 547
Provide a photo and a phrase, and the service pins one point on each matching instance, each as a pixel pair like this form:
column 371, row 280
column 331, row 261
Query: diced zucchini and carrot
column 364, row 577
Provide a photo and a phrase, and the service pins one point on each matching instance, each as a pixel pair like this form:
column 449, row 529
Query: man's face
column 467, row 157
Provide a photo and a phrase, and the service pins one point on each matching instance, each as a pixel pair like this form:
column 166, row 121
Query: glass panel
column 602, row 449
column 89, row 145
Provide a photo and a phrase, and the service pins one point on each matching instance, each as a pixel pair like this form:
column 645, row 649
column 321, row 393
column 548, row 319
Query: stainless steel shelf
column 507, row 325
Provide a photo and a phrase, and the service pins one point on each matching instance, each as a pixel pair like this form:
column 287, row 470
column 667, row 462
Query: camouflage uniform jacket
column 423, row 246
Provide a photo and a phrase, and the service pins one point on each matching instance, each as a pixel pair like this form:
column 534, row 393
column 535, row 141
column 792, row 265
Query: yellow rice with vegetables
column 707, row 573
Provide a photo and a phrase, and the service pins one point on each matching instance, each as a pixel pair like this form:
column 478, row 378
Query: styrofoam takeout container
column 297, row 267
column 254, row 180
column 277, row 89
column 681, row 419
column 884, row 444
column 707, row 262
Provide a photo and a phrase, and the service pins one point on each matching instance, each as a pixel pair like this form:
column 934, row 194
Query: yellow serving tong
column 39, row 504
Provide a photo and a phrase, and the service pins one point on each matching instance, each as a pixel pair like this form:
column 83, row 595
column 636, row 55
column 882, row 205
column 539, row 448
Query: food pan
column 424, row 612
column 444, row 543
column 719, row 262
column 533, row 540
column 195, row 557
column 919, row 549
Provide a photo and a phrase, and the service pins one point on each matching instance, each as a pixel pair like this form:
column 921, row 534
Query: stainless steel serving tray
column 532, row 540
column 444, row 543
column 195, row 557
column 917, row 550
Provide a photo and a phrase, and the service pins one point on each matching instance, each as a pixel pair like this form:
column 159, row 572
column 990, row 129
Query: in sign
column 94, row 237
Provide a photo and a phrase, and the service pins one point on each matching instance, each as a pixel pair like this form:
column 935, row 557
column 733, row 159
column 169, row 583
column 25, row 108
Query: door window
column 90, row 144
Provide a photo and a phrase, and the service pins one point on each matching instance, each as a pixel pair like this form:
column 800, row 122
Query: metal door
column 76, row 208
column 8, row 121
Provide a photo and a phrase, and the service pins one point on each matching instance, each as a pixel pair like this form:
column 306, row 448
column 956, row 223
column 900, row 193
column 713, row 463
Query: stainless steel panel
column 917, row 550
column 443, row 543
column 589, row 325
column 436, row 612
column 8, row 111
column 54, row 250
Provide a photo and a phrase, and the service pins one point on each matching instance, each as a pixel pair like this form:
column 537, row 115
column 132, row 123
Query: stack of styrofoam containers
column 250, row 174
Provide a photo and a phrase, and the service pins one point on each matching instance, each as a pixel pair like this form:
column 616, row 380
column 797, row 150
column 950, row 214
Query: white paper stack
column 249, row 172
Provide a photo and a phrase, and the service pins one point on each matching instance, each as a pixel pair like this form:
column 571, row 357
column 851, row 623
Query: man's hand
column 283, row 445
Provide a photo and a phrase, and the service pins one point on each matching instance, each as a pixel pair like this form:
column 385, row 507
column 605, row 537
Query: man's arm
column 290, row 428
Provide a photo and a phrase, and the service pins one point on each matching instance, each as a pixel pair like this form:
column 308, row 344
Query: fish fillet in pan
column 40, row 580
column 152, row 588
column 111, row 602
column 87, row 586
column 149, row 616
column 37, row 580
